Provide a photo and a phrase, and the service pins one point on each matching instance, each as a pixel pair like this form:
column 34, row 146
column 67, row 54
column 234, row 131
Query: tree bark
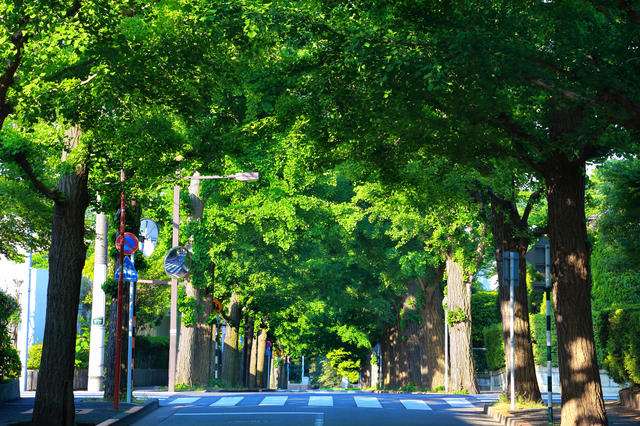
column 582, row 400
column 247, row 352
column 253, row 361
column 231, row 354
column 54, row 396
column 260, row 360
column 110, row 359
column 507, row 238
column 463, row 374
column 193, row 366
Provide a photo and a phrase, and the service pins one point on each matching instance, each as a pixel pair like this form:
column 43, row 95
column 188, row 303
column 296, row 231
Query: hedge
column 9, row 359
column 151, row 352
column 495, row 347
column 538, row 324
column 485, row 311
column 618, row 331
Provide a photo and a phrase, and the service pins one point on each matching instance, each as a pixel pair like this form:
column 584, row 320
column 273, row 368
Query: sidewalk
column 617, row 414
column 88, row 412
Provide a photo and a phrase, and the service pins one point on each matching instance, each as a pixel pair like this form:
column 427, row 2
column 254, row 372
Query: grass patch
column 504, row 403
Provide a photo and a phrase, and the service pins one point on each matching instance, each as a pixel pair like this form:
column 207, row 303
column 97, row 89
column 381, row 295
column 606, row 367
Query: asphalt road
column 319, row 408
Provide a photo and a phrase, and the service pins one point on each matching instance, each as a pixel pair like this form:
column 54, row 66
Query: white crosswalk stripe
column 184, row 400
column 227, row 401
column 321, row 401
column 415, row 404
column 274, row 400
column 458, row 402
column 367, row 402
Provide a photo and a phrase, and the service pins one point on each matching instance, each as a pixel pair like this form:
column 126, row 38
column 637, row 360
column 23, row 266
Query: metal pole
column 302, row 376
column 130, row 342
column 268, row 370
column 116, row 380
column 512, row 357
column 173, row 322
column 27, row 322
column 547, row 256
column 98, row 302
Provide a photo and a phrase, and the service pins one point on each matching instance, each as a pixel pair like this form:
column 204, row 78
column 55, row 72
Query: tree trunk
column 504, row 238
column 582, row 401
column 246, row 352
column 110, row 359
column 253, row 361
column 231, row 354
column 54, row 396
column 260, row 360
column 463, row 375
column 193, row 367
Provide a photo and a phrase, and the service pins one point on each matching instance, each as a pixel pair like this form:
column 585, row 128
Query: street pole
column 547, row 288
column 27, row 323
column 302, row 376
column 512, row 355
column 173, row 322
column 98, row 302
column 446, row 346
column 116, row 391
column 130, row 342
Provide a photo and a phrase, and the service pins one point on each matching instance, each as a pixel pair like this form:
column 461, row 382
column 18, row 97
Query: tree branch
column 51, row 193
column 530, row 203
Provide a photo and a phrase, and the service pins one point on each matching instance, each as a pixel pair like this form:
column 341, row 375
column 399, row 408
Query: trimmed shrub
column 495, row 347
column 151, row 352
column 619, row 334
column 485, row 310
column 35, row 355
column 538, row 324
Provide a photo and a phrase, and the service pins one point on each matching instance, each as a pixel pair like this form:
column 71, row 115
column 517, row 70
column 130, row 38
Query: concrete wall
column 141, row 377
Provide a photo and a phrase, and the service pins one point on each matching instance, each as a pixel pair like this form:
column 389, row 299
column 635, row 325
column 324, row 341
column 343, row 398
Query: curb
column 132, row 414
column 508, row 419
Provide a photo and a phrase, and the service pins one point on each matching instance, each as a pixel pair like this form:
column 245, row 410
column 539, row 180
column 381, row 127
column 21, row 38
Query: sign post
column 116, row 381
column 446, row 346
column 268, row 353
column 510, row 275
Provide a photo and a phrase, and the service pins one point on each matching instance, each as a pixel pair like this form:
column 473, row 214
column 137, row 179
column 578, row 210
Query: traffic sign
column 506, row 267
column 268, row 343
column 217, row 305
column 536, row 255
column 148, row 236
column 177, row 262
column 130, row 273
column 128, row 243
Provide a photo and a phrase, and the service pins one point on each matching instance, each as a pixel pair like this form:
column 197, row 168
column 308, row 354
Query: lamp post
column 173, row 321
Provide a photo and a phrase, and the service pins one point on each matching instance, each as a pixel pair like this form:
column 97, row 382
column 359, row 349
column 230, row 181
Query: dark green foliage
column 151, row 352
column 494, row 344
column 480, row 360
column 538, row 324
column 82, row 345
column 9, row 359
column 485, row 311
column 344, row 364
column 323, row 374
column 619, row 334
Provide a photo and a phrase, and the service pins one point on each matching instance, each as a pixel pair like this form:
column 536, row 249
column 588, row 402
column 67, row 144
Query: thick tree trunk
column 582, row 401
column 413, row 349
column 193, row 366
column 54, row 395
column 253, row 361
column 231, row 354
column 246, row 352
column 110, row 359
column 260, row 359
column 463, row 375
column 505, row 240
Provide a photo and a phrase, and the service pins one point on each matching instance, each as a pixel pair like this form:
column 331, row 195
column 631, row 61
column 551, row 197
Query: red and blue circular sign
column 128, row 243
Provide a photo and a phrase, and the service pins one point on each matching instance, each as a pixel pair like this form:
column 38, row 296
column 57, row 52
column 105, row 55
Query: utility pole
column 96, row 345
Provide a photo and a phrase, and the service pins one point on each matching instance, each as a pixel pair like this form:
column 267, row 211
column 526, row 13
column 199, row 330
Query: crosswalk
column 360, row 401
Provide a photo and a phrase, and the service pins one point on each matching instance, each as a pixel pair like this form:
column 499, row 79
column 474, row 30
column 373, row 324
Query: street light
column 173, row 322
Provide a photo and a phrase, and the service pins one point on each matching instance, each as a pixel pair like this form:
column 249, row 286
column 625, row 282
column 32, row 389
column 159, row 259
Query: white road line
column 274, row 400
column 367, row 402
column 321, row 401
column 184, row 401
column 227, row 401
column 458, row 402
column 415, row 404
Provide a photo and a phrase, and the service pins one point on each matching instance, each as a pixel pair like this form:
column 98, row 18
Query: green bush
column 323, row 374
column 495, row 347
column 485, row 310
column 35, row 355
column 619, row 334
column 9, row 359
column 538, row 323
column 151, row 352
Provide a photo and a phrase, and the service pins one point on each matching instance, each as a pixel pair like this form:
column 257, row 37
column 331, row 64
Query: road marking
column 274, row 400
column 254, row 413
column 322, row 401
column 367, row 402
column 227, row 401
column 458, row 402
column 414, row 404
column 184, row 400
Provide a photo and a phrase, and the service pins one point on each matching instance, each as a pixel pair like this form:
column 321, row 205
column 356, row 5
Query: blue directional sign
column 130, row 273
